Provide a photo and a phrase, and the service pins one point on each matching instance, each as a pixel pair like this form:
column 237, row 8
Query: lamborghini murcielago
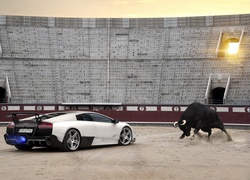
column 67, row 131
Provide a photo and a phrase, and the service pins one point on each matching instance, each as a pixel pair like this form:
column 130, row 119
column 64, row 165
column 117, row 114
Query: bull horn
column 175, row 124
column 184, row 122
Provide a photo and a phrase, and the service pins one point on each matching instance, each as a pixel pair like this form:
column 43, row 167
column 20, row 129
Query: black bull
column 199, row 117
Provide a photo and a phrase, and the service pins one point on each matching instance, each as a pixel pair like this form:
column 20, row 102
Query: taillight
column 45, row 125
column 11, row 125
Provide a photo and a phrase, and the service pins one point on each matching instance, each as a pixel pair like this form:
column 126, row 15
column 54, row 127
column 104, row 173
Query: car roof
column 72, row 112
column 59, row 113
column 64, row 113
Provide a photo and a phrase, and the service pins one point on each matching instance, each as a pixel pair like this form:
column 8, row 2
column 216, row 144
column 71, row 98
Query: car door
column 85, row 125
column 107, row 132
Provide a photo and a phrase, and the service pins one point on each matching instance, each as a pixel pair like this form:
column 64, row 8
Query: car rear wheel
column 126, row 136
column 71, row 141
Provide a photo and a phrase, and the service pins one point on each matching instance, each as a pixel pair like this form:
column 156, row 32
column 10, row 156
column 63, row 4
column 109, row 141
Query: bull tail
column 228, row 136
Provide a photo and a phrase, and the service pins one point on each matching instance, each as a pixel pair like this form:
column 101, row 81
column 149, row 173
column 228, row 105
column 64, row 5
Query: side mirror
column 115, row 121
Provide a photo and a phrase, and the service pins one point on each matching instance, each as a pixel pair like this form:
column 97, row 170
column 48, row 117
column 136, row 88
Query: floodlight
column 233, row 48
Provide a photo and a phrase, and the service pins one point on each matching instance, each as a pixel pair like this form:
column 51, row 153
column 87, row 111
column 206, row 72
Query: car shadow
column 57, row 150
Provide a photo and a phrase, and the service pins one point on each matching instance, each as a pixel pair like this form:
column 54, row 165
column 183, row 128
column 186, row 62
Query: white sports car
column 67, row 131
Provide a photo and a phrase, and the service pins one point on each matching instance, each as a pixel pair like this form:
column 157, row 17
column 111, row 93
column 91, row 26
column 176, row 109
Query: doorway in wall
column 2, row 95
column 217, row 95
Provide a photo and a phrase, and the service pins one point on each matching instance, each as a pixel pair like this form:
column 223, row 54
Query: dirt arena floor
column 157, row 154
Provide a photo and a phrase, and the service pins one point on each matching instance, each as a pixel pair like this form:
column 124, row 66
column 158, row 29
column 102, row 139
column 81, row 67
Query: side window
column 100, row 118
column 83, row 117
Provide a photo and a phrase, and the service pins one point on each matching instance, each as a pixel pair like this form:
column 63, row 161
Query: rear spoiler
column 15, row 119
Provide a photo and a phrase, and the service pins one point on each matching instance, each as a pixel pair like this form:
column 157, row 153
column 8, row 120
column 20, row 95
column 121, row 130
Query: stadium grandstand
column 125, row 60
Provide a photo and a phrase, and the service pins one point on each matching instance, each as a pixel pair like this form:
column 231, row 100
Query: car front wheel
column 126, row 136
column 71, row 141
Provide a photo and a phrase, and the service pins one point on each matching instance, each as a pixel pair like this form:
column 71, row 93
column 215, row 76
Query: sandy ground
column 157, row 154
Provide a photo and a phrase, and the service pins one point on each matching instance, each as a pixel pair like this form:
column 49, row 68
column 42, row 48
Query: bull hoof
column 182, row 136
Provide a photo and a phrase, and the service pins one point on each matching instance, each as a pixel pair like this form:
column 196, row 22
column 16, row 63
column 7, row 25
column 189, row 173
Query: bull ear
column 183, row 122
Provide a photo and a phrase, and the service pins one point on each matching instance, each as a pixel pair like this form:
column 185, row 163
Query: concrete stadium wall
column 107, row 43
column 153, row 61
column 131, row 81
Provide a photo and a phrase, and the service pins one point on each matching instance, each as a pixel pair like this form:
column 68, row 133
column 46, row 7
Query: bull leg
column 195, row 132
column 198, row 134
column 208, row 130
column 193, row 137
column 182, row 136
column 209, row 133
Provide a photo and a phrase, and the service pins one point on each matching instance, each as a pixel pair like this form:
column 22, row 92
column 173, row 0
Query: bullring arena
column 144, row 71
column 157, row 154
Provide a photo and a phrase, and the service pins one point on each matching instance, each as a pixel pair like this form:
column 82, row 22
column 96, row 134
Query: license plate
column 25, row 130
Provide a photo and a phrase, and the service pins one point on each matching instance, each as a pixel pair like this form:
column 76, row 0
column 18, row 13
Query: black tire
column 24, row 147
column 71, row 141
column 126, row 136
